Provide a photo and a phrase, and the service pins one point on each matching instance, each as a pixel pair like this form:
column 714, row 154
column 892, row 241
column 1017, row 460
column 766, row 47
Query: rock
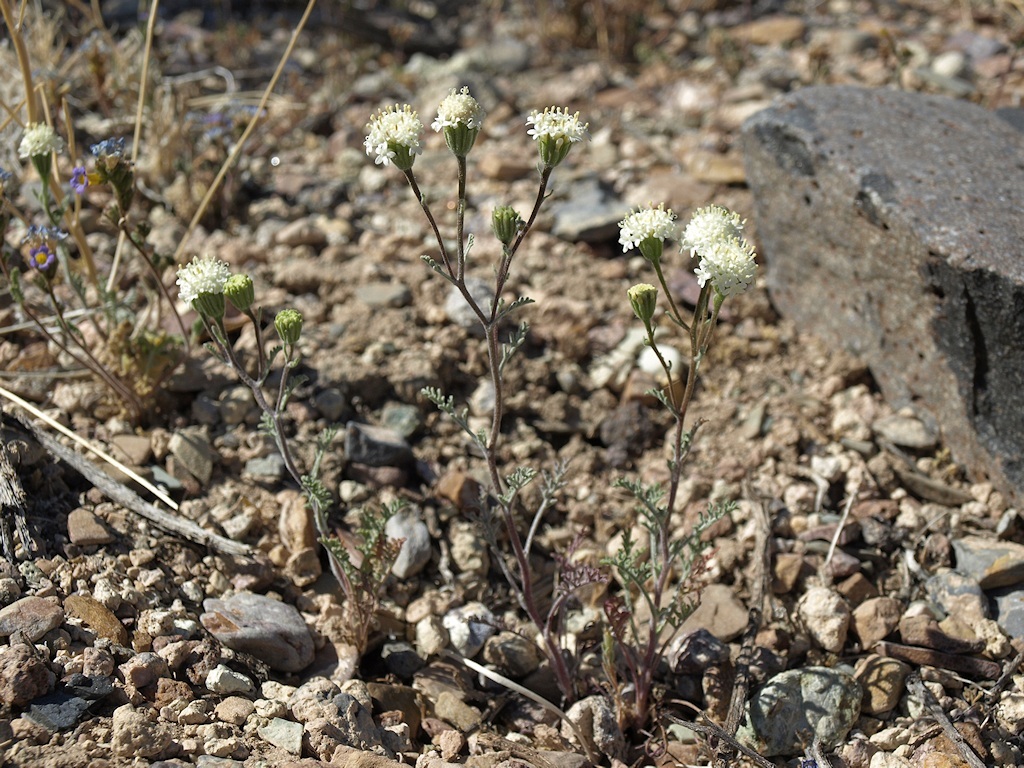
column 874, row 619
column 192, row 448
column 882, row 680
column 468, row 549
column 591, row 214
column 800, row 705
column 1010, row 611
column 282, row 733
column 376, row 446
column 512, row 654
column 264, row 469
column 301, row 232
column 97, row 617
column 86, row 528
column 416, row 547
column 826, row 617
column 23, row 676
column 770, row 30
column 694, row 652
column 990, row 563
column 468, row 627
column 57, row 711
column 922, row 260
column 401, row 659
column 222, row 679
column 431, row 636
column 134, row 734
column 906, row 432
column 957, row 595
column 924, row 631
column 30, row 618
column 720, row 612
column 457, row 310
column 270, row 630
column 452, row 709
column 375, row 295
column 331, row 403
column 595, row 717
column 402, row 418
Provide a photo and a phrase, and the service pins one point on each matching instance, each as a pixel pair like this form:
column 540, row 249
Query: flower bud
column 209, row 305
column 288, row 325
column 506, row 223
column 644, row 298
column 240, row 292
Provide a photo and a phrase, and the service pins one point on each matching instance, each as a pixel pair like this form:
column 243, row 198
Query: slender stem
column 460, row 221
column 675, row 316
column 411, row 178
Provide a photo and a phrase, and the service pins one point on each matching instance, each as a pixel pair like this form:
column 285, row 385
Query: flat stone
column 192, row 448
column 882, row 679
column 989, row 562
column 270, row 630
column 376, row 446
column 874, row 619
column 31, row 617
column 97, row 617
column 282, row 733
column 57, row 711
column 415, row 553
column 86, row 529
column 826, row 617
column 797, row 706
column 921, row 263
column 720, row 612
column 380, row 294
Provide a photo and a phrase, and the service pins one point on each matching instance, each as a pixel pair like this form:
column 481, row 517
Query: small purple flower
column 79, row 179
column 42, row 259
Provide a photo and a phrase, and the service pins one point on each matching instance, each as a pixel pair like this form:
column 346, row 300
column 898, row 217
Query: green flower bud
column 651, row 249
column 209, row 305
column 239, row 291
column 506, row 223
column 644, row 298
column 288, row 325
column 460, row 139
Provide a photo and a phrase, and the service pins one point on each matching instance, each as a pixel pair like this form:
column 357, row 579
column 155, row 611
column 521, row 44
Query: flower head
column 506, row 223
column 460, row 117
column 643, row 297
column 458, row 108
column 201, row 284
column 709, row 225
column 288, row 324
column 240, row 292
column 108, row 148
column 555, row 132
column 39, row 141
column 729, row 265
column 42, row 248
column 647, row 229
column 79, row 179
column 393, row 134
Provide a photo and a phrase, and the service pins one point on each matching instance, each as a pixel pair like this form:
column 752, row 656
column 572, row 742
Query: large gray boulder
column 892, row 224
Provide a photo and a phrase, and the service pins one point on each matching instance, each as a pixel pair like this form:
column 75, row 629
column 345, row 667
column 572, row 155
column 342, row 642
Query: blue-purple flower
column 79, row 179
column 43, row 260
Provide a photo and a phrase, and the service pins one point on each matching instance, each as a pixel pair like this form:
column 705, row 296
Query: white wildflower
column 729, row 265
column 206, row 275
column 39, row 140
column 459, row 108
column 710, row 225
column 644, row 224
column 555, row 132
column 393, row 135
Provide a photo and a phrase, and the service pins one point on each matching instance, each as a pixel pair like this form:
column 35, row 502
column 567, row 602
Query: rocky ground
column 885, row 563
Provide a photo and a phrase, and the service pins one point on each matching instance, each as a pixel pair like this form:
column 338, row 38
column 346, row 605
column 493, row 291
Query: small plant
column 393, row 138
column 663, row 573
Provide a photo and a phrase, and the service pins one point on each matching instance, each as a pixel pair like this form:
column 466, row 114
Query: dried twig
column 917, row 688
column 713, row 732
column 131, row 500
column 12, row 505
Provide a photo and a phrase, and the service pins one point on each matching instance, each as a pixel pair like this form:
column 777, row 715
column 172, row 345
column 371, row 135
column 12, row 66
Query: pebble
column 874, row 619
column 457, row 310
column 957, row 595
column 376, row 295
column 301, row 232
column 468, row 627
column 96, row 617
column 192, row 448
column 595, row 716
column 57, row 711
column 826, row 616
column 796, row 706
column 376, row 446
column 693, row 652
column 234, row 710
column 86, row 528
column 401, row 659
column 270, row 630
column 30, row 618
column 331, row 403
column 265, row 469
column 134, row 734
column 990, row 563
column 720, row 612
column 402, row 418
column 906, row 432
column 882, row 680
column 452, row 709
column 431, row 636
column 512, row 654
column 469, row 552
column 282, row 733
column 23, row 676
column 416, row 547
column 222, row 679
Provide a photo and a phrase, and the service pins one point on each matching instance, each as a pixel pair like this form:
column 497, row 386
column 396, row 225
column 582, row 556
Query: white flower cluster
column 557, row 125
column 39, row 140
column 392, row 128
column 459, row 108
column 206, row 275
column 715, row 234
column 644, row 224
